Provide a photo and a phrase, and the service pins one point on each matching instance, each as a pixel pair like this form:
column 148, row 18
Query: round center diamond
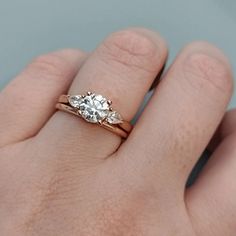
column 94, row 108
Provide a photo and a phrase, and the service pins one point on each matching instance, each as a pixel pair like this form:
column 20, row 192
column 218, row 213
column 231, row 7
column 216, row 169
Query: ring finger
column 121, row 69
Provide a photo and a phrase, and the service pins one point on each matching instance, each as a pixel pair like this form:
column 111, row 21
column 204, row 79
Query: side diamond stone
column 75, row 100
column 114, row 118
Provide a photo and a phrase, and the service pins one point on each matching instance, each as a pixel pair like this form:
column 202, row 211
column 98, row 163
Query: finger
column 121, row 69
column 226, row 128
column 212, row 197
column 183, row 113
column 28, row 101
column 228, row 125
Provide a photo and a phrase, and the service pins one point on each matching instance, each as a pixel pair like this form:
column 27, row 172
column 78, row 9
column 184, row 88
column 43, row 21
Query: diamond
column 75, row 100
column 114, row 118
column 94, row 108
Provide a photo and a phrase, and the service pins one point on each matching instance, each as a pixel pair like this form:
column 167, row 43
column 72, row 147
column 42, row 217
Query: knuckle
column 207, row 70
column 129, row 48
column 51, row 65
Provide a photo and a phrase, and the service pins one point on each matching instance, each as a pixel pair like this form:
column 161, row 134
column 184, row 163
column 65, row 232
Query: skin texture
column 60, row 175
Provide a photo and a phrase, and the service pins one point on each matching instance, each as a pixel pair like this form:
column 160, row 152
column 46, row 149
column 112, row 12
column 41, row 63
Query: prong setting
column 109, row 102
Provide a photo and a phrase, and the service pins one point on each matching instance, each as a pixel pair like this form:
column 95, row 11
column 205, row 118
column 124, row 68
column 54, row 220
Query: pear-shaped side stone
column 114, row 118
column 75, row 100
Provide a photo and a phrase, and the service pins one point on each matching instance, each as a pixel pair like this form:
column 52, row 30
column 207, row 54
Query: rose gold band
column 122, row 129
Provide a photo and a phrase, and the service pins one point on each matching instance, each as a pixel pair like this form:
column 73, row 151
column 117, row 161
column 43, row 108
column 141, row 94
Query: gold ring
column 95, row 108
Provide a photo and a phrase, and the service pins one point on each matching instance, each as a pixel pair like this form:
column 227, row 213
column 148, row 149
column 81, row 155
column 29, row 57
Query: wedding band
column 94, row 108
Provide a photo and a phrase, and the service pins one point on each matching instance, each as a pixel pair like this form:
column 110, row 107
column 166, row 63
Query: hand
column 60, row 175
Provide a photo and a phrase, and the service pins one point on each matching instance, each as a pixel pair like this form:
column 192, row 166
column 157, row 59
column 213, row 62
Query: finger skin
column 183, row 114
column 212, row 198
column 29, row 100
column 121, row 69
column 228, row 125
column 226, row 128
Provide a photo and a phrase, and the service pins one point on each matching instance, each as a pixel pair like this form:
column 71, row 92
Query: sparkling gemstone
column 75, row 100
column 94, row 108
column 114, row 118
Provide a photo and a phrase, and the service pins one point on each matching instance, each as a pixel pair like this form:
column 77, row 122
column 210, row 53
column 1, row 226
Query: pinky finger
column 225, row 129
column 211, row 200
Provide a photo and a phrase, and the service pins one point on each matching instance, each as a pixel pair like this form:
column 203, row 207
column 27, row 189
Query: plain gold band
column 123, row 129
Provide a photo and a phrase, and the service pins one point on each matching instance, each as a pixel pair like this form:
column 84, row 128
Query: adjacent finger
column 228, row 125
column 226, row 128
column 185, row 111
column 212, row 197
column 29, row 100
